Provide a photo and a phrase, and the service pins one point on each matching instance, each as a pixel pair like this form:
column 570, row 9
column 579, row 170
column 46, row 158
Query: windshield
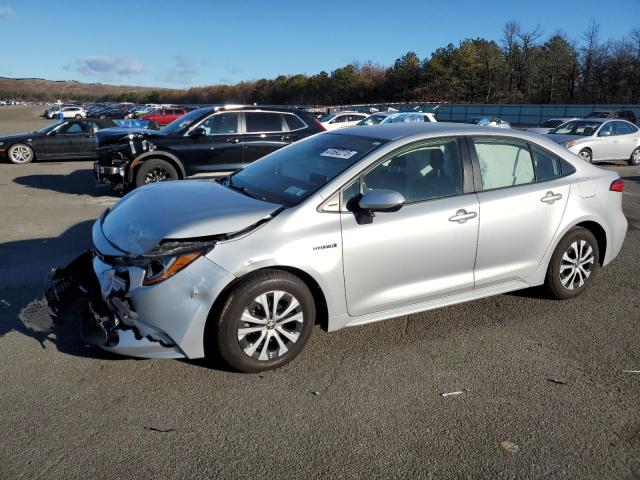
column 584, row 128
column 326, row 118
column 181, row 124
column 48, row 128
column 372, row 120
column 552, row 123
column 294, row 173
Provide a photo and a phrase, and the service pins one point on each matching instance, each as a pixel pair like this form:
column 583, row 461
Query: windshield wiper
column 243, row 190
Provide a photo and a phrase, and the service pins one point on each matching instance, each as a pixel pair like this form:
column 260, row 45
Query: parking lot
column 548, row 389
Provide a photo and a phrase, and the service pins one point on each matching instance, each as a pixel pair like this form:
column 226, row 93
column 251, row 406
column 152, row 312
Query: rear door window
column 263, row 122
column 622, row 128
column 503, row 162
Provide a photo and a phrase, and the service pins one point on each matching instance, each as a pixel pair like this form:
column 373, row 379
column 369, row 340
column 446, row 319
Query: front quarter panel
column 298, row 238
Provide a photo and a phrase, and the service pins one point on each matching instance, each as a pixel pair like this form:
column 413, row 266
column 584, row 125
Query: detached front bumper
column 110, row 323
column 113, row 175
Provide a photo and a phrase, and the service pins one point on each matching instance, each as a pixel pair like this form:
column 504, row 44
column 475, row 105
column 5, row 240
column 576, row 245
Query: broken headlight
column 169, row 258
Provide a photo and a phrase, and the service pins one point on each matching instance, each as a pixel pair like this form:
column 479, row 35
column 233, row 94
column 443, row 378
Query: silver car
column 342, row 229
column 550, row 124
column 600, row 139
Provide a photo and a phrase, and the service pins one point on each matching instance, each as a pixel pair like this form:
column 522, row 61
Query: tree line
column 525, row 66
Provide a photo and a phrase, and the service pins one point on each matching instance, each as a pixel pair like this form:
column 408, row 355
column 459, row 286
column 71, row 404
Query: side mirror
column 197, row 132
column 605, row 133
column 381, row 201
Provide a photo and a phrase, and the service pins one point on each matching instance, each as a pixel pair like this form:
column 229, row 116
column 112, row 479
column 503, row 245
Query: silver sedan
column 342, row 229
column 600, row 139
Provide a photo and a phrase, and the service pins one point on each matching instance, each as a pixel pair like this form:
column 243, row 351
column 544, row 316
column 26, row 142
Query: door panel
column 220, row 149
column 519, row 218
column 409, row 256
column 427, row 248
column 265, row 132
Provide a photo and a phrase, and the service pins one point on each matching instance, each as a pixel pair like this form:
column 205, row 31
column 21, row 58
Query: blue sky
column 199, row 42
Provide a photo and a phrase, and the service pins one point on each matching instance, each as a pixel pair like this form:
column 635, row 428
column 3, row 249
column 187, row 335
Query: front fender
column 155, row 154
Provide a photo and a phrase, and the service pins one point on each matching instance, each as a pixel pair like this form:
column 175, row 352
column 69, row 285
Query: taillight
column 617, row 185
column 318, row 124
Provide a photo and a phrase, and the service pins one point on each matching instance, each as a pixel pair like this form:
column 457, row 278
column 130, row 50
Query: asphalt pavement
column 545, row 389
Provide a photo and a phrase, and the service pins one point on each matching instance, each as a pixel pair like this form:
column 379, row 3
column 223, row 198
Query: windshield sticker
column 298, row 192
column 338, row 153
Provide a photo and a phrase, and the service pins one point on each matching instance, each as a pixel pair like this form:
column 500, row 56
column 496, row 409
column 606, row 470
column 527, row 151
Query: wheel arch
column 319, row 298
column 166, row 156
column 601, row 237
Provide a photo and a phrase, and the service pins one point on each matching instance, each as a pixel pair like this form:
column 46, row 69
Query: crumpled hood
column 564, row 138
column 178, row 210
column 115, row 135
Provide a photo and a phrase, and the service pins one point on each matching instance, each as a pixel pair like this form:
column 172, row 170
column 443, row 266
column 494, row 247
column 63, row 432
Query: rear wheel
column 21, row 153
column 78, row 117
column 586, row 155
column 573, row 264
column 264, row 324
column 155, row 170
column 635, row 157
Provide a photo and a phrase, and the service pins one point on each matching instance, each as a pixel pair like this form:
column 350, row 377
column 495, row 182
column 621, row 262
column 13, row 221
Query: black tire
column 634, row 159
column 78, row 117
column 155, row 170
column 559, row 282
column 223, row 340
column 586, row 155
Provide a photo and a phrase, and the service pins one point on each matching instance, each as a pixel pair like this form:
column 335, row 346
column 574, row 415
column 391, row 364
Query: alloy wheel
column 21, row 154
column 157, row 174
column 585, row 155
column 576, row 264
column 270, row 325
column 635, row 157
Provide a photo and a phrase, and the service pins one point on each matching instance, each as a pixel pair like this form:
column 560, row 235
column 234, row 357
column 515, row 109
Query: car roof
column 395, row 131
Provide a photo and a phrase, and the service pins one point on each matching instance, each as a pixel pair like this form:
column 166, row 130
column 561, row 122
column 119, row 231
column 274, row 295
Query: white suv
column 69, row 112
column 340, row 120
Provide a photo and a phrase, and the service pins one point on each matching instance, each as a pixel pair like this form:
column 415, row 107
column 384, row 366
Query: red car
column 164, row 116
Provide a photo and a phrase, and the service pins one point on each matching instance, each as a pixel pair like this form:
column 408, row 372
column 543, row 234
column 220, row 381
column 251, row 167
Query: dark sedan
column 61, row 140
column 205, row 141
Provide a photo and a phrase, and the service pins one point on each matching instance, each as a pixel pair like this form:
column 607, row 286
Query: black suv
column 623, row 114
column 206, row 141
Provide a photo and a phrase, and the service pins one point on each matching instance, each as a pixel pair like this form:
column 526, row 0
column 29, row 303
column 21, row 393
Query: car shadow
column 24, row 265
column 78, row 182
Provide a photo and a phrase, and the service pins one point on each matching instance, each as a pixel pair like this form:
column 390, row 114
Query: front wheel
column 573, row 264
column 634, row 160
column 21, row 153
column 155, row 170
column 586, row 155
column 264, row 324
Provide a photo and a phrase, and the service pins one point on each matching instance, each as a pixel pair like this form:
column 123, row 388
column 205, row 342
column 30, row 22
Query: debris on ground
column 555, row 380
column 36, row 316
column 509, row 446
column 316, row 393
column 4, row 302
column 459, row 392
column 161, row 430
column 630, row 371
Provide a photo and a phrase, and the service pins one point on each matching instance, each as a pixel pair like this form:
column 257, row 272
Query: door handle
column 233, row 140
column 462, row 216
column 551, row 197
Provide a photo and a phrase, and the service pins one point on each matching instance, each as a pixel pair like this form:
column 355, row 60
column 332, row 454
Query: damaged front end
column 106, row 288
column 116, row 151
